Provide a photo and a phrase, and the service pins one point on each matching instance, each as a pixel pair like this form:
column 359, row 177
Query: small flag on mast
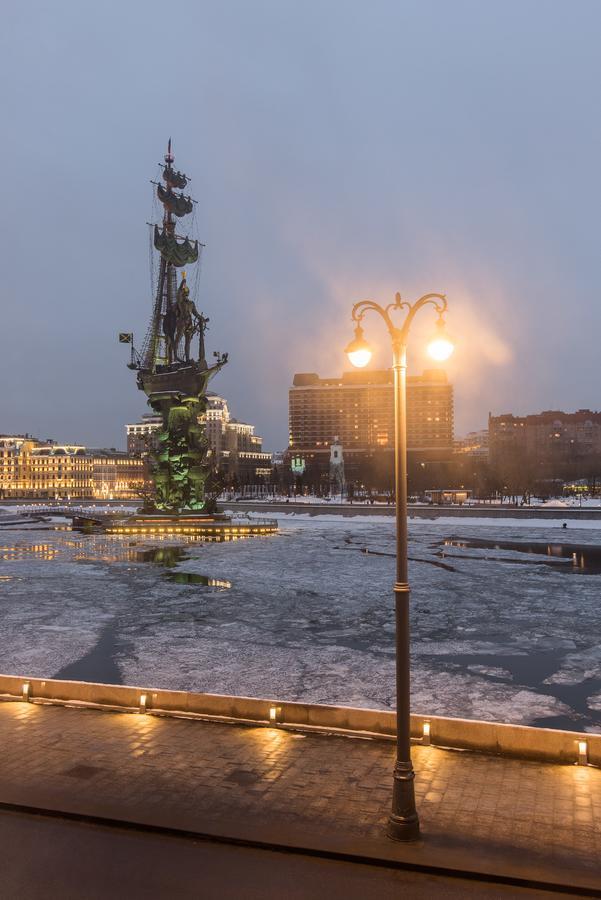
column 126, row 337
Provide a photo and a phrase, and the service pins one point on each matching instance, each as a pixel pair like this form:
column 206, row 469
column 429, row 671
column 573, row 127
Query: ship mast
column 162, row 343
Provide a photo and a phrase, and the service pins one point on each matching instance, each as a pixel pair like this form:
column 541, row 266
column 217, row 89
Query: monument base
column 215, row 527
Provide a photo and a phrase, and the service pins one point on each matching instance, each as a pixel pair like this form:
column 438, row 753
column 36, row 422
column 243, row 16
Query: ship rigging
column 167, row 360
column 172, row 366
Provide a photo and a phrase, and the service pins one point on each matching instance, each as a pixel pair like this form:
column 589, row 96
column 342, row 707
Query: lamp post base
column 403, row 824
column 403, row 829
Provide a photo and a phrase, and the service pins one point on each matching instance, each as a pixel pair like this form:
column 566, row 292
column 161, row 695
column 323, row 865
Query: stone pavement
column 330, row 794
column 50, row 858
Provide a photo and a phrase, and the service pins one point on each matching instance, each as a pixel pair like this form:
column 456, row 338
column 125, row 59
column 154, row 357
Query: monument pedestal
column 216, row 527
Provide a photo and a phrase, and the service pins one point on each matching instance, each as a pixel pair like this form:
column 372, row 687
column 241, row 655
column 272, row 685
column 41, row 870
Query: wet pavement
column 484, row 815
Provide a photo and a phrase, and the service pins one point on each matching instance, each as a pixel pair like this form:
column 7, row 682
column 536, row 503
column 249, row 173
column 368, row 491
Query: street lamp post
column 403, row 824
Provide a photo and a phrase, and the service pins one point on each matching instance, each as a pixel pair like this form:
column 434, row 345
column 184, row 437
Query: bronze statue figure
column 203, row 321
column 189, row 321
column 169, row 330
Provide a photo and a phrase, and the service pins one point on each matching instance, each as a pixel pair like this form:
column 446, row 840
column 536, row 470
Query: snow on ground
column 309, row 616
column 546, row 525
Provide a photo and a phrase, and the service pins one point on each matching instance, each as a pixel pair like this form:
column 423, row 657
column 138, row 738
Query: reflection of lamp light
column 582, row 753
column 358, row 351
column 441, row 346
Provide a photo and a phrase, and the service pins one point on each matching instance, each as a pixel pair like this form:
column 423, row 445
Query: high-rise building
column 358, row 409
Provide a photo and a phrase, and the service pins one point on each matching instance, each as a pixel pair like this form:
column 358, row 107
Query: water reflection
column 114, row 549
column 28, row 551
column 195, row 578
column 162, row 556
column 96, row 548
column 584, row 559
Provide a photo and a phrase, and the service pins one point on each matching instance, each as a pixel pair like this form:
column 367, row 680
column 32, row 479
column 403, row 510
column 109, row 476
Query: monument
column 173, row 372
column 172, row 376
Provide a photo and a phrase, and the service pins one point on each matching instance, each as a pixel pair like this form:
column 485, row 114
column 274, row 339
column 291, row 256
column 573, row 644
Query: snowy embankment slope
column 446, row 521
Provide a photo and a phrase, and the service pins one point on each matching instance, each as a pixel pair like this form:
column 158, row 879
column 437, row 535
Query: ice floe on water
column 309, row 616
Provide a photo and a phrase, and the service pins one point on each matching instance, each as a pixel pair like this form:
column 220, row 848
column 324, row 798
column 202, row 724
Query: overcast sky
column 338, row 150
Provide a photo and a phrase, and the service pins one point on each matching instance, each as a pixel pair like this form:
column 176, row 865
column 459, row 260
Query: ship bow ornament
column 172, row 367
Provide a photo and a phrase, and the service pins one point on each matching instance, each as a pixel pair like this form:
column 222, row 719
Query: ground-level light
column 275, row 713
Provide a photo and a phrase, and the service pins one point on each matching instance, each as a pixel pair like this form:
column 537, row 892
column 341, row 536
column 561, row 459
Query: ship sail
column 175, row 179
column 176, row 254
column 175, row 203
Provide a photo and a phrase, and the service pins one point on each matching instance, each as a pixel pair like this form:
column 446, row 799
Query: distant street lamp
column 403, row 824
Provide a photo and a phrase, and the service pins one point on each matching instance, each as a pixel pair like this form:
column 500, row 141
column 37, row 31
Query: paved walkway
column 53, row 859
column 479, row 814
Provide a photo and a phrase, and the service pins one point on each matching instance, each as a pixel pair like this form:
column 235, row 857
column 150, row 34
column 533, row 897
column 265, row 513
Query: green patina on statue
column 174, row 381
column 180, row 468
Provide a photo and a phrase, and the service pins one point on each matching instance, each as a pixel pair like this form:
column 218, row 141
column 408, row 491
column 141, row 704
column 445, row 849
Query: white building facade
column 237, row 450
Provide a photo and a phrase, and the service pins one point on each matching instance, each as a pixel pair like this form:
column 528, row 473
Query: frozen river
column 507, row 633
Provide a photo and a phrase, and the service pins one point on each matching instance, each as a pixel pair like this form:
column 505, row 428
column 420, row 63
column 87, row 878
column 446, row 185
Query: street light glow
column 440, row 349
column 358, row 351
column 441, row 346
column 359, row 358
